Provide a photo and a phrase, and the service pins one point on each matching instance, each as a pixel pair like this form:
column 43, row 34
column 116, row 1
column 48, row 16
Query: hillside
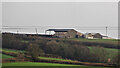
column 75, row 51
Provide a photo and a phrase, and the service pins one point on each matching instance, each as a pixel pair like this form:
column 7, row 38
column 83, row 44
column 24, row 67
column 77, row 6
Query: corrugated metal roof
column 59, row 30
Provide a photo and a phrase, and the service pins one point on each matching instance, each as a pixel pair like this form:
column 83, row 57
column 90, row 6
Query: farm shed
column 93, row 36
column 65, row 33
column 106, row 37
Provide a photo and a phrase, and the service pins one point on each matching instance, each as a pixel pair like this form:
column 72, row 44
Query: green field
column 34, row 64
column 108, row 49
column 3, row 56
column 46, row 64
column 11, row 50
column 111, row 52
column 110, row 41
column 58, row 59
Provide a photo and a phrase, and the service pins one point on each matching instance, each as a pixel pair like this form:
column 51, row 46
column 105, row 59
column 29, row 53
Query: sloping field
column 108, row 49
column 57, row 59
column 46, row 64
column 34, row 64
column 109, row 41
column 3, row 56
column 11, row 50
column 110, row 52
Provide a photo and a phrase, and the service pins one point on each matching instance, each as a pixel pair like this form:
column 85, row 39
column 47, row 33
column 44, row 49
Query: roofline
column 59, row 30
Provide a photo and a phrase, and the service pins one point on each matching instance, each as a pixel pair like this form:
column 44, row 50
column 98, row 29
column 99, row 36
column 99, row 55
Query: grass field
column 11, row 50
column 110, row 41
column 46, row 64
column 108, row 49
column 110, row 52
column 5, row 56
column 48, row 58
column 34, row 64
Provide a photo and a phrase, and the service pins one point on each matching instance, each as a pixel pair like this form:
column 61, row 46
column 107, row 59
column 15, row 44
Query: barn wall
column 98, row 36
column 69, row 34
column 60, row 34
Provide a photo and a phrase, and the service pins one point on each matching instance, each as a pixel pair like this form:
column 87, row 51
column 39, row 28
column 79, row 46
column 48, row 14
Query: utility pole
column 45, row 32
column 36, row 30
column 17, row 31
column 106, row 30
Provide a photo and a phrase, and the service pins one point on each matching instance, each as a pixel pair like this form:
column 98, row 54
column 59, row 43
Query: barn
column 93, row 36
column 65, row 33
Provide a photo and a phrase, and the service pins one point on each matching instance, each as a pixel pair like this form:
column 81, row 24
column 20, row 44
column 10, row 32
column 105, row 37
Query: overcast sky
column 62, row 14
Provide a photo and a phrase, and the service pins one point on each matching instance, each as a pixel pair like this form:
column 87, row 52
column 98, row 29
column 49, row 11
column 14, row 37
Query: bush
column 34, row 51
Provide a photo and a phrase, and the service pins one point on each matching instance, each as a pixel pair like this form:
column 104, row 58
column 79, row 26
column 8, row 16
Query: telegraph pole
column 36, row 30
column 17, row 31
column 106, row 30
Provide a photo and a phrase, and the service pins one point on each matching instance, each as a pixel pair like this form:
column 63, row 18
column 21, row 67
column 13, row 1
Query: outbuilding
column 93, row 36
column 65, row 33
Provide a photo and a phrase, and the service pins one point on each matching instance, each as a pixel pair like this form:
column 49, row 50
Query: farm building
column 93, row 36
column 66, row 33
column 106, row 37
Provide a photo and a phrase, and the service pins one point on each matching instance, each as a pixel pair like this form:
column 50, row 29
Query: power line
column 61, row 26
column 65, row 28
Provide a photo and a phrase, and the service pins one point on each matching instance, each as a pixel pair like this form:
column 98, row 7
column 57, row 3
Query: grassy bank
column 57, row 59
column 12, row 50
column 3, row 56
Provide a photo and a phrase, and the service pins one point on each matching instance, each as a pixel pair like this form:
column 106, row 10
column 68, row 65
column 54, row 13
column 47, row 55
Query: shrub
column 34, row 51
